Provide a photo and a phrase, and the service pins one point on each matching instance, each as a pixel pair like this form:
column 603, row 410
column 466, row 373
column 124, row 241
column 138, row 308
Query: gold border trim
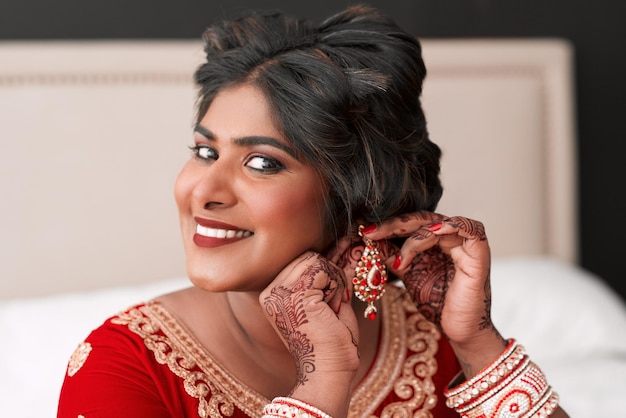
column 218, row 391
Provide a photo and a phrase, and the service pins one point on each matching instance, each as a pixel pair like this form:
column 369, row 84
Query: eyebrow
column 251, row 140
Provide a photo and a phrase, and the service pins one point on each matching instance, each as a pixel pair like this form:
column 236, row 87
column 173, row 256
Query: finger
column 334, row 291
column 427, row 280
column 338, row 249
column 468, row 234
column 322, row 280
column 401, row 226
column 464, row 227
column 466, row 242
column 420, row 241
column 348, row 317
column 299, row 263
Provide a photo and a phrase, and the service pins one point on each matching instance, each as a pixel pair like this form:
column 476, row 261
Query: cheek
column 183, row 187
column 301, row 209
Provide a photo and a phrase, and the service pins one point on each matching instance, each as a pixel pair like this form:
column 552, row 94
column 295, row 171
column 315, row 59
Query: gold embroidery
column 78, row 358
column 219, row 392
column 415, row 385
column 378, row 382
column 404, row 331
column 203, row 378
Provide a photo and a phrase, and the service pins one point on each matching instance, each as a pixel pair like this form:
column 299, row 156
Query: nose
column 213, row 186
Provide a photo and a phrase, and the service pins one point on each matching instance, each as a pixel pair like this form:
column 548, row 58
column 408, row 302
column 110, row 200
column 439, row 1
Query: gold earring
column 370, row 276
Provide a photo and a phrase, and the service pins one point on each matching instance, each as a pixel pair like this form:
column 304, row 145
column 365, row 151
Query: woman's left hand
column 444, row 263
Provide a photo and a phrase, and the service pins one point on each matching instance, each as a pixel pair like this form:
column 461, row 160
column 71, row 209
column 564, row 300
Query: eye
column 264, row 164
column 203, row 152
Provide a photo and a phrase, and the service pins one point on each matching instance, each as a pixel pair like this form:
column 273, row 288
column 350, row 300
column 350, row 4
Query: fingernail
column 435, row 227
column 397, row 261
column 369, row 229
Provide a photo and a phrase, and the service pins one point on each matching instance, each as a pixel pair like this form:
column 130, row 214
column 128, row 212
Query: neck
column 254, row 333
column 255, row 329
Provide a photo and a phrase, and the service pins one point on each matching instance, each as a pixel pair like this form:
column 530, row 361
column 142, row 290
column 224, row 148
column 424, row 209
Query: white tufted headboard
column 92, row 135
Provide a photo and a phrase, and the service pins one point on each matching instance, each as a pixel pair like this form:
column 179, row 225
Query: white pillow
column 39, row 334
column 555, row 309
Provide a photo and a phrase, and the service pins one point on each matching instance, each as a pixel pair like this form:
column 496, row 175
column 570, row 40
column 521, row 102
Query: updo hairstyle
column 346, row 94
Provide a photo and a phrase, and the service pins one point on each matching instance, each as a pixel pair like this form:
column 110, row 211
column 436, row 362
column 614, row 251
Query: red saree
column 144, row 363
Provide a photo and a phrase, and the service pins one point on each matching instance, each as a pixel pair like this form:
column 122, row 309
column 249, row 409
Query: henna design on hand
column 334, row 274
column 289, row 315
column 421, row 235
column 427, row 282
column 351, row 256
column 486, row 319
column 468, row 228
column 285, row 305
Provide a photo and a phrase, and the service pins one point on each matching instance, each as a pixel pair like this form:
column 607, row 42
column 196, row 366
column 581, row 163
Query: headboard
column 92, row 135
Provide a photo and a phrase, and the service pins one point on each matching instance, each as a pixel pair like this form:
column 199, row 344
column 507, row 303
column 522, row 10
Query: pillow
column 40, row 334
column 555, row 308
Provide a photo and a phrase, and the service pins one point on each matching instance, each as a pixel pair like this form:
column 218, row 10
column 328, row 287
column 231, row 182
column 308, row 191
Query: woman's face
column 247, row 206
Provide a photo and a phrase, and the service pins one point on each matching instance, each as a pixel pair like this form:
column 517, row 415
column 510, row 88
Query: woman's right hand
column 309, row 306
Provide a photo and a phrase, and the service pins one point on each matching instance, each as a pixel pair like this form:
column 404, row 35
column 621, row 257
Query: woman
column 311, row 185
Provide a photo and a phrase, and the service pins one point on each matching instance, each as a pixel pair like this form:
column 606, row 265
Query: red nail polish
column 435, row 227
column 397, row 261
column 369, row 229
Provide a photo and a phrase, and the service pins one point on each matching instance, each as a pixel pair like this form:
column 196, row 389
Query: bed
column 94, row 132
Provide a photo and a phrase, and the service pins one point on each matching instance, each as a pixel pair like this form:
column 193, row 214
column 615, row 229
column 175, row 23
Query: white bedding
column 572, row 325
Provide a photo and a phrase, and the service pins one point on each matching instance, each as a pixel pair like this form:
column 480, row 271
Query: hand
column 444, row 263
column 309, row 306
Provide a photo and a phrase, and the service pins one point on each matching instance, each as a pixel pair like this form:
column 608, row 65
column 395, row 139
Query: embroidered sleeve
column 107, row 376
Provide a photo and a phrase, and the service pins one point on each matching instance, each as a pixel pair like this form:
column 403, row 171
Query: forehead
column 241, row 110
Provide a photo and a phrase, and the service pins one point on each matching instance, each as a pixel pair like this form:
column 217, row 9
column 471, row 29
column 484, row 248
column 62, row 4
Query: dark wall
column 596, row 30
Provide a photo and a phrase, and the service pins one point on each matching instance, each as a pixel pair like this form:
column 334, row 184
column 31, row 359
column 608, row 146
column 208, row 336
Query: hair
column 346, row 94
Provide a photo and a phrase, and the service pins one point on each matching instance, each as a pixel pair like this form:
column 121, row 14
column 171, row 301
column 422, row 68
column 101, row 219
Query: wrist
column 329, row 392
column 286, row 407
column 476, row 354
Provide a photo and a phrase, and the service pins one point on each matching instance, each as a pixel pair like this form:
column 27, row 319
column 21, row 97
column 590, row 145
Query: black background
column 595, row 28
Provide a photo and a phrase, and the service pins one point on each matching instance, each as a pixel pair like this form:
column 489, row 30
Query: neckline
column 368, row 394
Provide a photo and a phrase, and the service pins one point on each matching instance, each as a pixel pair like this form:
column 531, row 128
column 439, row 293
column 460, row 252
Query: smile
column 221, row 233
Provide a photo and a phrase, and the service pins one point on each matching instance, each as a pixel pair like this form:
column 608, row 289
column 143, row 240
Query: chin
column 216, row 282
column 212, row 286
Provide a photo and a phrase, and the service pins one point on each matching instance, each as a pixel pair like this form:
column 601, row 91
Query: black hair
column 346, row 94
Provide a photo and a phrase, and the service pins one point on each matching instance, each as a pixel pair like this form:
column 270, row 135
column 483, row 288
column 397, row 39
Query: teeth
column 221, row 233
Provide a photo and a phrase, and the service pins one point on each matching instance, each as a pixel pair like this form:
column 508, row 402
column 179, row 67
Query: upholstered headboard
column 92, row 135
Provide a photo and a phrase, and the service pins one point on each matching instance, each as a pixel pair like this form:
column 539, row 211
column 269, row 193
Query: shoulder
column 113, row 363
column 110, row 346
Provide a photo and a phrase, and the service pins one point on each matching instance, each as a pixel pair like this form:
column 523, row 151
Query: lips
column 213, row 234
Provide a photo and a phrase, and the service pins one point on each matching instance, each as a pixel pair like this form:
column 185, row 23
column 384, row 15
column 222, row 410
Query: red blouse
column 145, row 363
